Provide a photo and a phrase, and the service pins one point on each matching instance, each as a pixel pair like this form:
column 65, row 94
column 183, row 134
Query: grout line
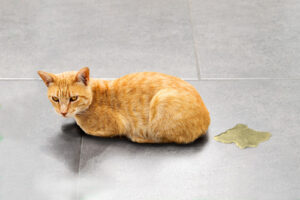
column 190, row 79
column 19, row 79
column 81, row 141
column 78, row 170
column 38, row 79
column 186, row 79
column 194, row 41
column 249, row 78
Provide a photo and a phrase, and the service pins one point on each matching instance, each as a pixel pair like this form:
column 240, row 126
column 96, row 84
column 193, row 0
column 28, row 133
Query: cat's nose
column 64, row 113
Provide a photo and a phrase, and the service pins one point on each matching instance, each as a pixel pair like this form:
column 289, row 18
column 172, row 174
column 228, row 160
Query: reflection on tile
column 39, row 151
column 136, row 169
column 206, row 169
column 113, row 37
column 247, row 38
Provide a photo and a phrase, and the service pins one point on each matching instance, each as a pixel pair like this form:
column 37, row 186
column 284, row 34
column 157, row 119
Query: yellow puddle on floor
column 243, row 136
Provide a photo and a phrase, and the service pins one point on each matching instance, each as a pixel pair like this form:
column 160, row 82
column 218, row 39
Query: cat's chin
column 66, row 116
column 69, row 115
column 72, row 115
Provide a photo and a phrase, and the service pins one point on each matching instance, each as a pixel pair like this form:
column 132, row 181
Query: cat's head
column 69, row 92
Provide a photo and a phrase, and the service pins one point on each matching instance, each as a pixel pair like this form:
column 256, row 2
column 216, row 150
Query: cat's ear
column 83, row 75
column 48, row 78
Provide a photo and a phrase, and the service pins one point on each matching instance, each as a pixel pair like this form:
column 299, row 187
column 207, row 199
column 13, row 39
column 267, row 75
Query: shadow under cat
column 62, row 147
column 65, row 146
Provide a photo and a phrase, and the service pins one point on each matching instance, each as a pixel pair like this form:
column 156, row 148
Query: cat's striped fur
column 147, row 107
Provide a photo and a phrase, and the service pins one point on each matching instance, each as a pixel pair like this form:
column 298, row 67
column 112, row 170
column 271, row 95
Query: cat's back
column 151, row 82
column 135, row 91
column 139, row 96
column 146, row 77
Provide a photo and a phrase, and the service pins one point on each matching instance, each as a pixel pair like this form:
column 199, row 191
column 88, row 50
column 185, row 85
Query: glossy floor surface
column 242, row 57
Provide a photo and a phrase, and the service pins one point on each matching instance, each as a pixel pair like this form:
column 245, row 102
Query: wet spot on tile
column 243, row 136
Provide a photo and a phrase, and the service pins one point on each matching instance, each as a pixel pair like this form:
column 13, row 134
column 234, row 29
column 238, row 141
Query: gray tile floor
column 242, row 56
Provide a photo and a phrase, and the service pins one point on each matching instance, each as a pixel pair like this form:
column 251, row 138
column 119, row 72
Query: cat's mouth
column 65, row 115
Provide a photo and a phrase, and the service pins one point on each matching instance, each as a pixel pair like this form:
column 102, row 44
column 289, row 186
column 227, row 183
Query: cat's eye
column 55, row 99
column 73, row 98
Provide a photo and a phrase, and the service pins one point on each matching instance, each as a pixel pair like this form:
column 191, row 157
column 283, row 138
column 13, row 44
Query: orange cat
column 147, row 107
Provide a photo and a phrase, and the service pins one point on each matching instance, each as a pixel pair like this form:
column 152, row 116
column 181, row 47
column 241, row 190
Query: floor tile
column 270, row 171
column 237, row 39
column 113, row 37
column 39, row 150
column 206, row 169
